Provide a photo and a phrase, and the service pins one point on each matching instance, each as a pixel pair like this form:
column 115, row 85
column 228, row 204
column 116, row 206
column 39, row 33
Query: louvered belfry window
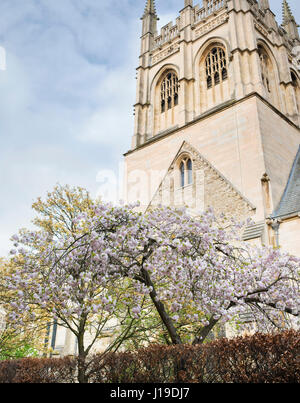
column 216, row 67
column 169, row 91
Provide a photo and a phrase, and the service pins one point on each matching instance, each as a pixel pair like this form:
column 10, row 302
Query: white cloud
column 67, row 95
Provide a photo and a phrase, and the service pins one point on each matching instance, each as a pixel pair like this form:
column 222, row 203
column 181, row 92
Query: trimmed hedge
column 38, row 370
column 253, row 359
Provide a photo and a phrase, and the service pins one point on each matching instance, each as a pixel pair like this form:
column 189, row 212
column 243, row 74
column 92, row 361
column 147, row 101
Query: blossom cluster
column 194, row 267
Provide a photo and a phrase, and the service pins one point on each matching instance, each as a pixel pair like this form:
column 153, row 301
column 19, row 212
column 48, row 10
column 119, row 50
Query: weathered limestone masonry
column 217, row 114
column 208, row 188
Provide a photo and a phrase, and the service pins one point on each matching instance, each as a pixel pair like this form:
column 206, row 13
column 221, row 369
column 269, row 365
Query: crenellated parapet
column 209, row 8
column 217, row 114
column 168, row 34
column 200, row 20
column 219, row 52
column 199, row 15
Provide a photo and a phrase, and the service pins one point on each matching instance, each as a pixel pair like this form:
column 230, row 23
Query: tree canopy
column 90, row 262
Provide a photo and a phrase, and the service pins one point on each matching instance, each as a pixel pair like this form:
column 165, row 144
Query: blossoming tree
column 194, row 271
column 58, row 277
column 16, row 341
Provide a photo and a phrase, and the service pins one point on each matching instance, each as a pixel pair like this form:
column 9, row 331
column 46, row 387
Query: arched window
column 265, row 68
column 169, row 91
column 269, row 75
column 186, row 172
column 216, row 67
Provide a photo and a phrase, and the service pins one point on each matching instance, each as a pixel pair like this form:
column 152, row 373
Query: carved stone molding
column 209, row 26
column 170, row 50
column 261, row 29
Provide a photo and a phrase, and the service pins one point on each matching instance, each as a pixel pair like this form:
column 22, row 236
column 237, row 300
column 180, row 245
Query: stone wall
column 289, row 236
column 208, row 189
column 228, row 138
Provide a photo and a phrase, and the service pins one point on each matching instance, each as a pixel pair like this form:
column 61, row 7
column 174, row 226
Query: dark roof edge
column 286, row 216
column 276, row 214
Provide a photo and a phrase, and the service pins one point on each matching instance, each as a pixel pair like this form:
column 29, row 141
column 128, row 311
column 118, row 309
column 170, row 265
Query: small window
column 186, row 172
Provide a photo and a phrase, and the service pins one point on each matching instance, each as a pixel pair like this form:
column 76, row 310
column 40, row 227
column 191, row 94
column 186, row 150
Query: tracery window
column 169, row 91
column 216, row 67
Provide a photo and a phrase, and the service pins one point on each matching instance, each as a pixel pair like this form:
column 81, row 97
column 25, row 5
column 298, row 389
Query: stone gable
column 209, row 188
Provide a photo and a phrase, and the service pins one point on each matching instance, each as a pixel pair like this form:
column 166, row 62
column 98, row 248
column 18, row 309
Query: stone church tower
column 217, row 116
column 217, row 120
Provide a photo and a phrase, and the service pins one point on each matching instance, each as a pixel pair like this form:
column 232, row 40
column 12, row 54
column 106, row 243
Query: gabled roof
column 187, row 147
column 290, row 201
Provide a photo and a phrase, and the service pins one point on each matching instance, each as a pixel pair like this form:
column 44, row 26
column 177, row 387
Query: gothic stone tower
column 217, row 116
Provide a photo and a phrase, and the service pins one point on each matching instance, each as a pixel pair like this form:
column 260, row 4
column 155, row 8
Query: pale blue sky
column 67, row 94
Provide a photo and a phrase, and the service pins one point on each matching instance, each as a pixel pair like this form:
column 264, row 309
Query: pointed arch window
column 186, row 172
column 216, row 67
column 169, row 91
column 265, row 68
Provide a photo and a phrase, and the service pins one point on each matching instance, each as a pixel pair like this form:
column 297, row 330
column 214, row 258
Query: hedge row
column 253, row 359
